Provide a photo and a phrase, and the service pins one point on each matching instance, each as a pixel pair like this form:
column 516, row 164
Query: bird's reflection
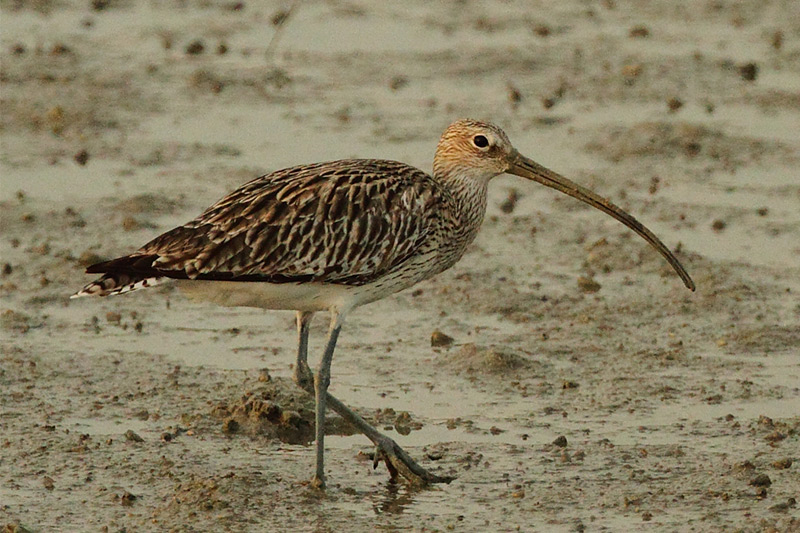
column 395, row 498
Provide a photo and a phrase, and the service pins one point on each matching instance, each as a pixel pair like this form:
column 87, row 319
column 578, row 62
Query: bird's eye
column 480, row 141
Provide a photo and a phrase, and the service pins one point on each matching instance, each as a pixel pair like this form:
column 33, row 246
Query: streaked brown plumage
column 333, row 236
column 350, row 222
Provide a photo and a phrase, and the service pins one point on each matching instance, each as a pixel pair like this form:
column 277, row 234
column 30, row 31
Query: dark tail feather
column 116, row 284
column 121, row 275
column 131, row 264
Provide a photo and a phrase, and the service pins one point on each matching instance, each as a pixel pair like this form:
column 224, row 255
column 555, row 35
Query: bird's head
column 473, row 152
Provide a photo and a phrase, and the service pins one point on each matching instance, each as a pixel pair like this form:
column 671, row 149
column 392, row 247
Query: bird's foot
column 399, row 463
column 317, row 483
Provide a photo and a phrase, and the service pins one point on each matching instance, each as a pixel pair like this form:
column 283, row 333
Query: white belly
column 287, row 296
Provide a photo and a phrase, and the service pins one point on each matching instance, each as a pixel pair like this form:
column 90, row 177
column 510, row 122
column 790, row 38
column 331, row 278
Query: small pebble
column 60, row 49
column 674, row 104
column 775, row 436
column 718, row 225
column 132, row 436
column 127, row 499
column 692, row 148
column 398, row 82
column 631, row 71
column 439, row 339
column 784, row 506
column 588, row 284
column 654, row 183
column 195, row 48
column 746, row 465
column 748, row 71
column 514, row 96
column 561, row 441
column 782, row 464
column 777, row 40
column 761, row 480
column 510, row 202
column 542, row 30
column 280, row 17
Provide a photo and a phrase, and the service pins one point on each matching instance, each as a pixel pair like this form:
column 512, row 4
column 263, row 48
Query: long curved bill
column 527, row 168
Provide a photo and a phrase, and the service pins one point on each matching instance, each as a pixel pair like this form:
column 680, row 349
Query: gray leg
column 397, row 460
column 321, row 382
column 302, row 373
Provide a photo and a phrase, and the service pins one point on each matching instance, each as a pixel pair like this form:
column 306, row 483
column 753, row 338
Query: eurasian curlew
column 334, row 236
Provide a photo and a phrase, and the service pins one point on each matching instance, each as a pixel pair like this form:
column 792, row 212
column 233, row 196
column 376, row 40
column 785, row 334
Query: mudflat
column 560, row 371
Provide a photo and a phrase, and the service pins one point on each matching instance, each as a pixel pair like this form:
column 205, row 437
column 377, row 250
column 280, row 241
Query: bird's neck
column 470, row 194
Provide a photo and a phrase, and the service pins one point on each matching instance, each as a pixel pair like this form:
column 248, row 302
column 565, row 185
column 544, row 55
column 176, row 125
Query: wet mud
column 561, row 372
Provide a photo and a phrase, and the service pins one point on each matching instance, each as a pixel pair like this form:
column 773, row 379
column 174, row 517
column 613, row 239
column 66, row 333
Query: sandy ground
column 620, row 403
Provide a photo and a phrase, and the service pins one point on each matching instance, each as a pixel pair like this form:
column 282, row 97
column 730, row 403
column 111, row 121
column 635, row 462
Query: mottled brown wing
column 346, row 221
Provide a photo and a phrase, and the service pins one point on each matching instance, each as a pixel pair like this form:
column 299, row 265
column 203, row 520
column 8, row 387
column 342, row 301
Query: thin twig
column 273, row 43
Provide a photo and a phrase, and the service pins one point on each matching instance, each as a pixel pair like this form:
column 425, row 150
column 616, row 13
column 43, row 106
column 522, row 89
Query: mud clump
column 279, row 411
column 401, row 422
column 496, row 361
column 260, row 415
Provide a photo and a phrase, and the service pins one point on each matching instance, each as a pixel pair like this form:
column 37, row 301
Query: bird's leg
column 321, row 382
column 396, row 459
column 302, row 373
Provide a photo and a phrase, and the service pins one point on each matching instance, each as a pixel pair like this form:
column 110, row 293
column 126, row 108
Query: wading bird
column 334, row 236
